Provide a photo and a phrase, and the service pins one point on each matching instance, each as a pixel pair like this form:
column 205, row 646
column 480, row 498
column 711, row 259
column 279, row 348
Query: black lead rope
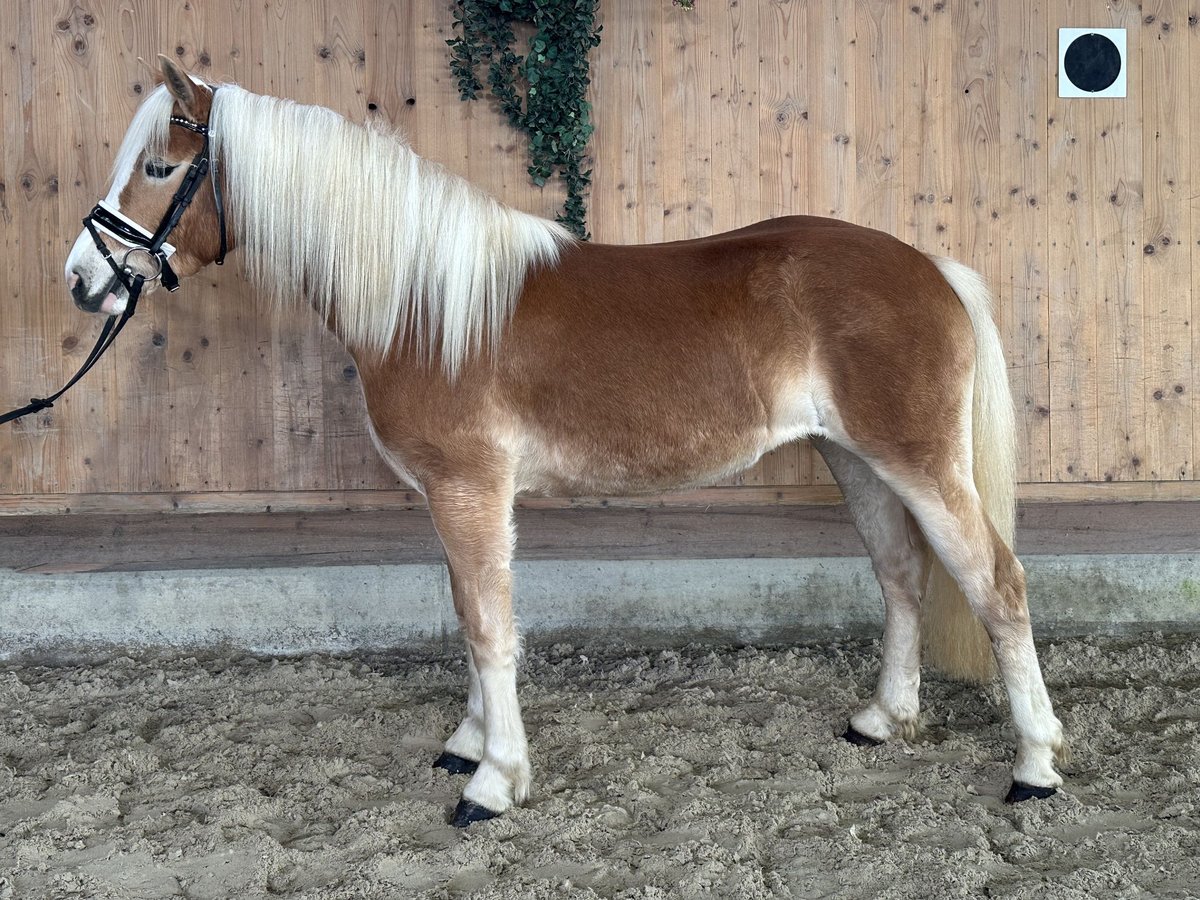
column 108, row 334
column 132, row 235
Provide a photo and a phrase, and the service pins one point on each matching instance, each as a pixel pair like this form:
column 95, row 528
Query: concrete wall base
column 342, row 608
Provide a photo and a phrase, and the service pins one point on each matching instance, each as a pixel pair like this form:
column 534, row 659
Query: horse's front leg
column 473, row 518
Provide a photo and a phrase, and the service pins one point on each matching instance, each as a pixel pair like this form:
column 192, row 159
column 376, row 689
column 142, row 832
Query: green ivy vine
column 553, row 77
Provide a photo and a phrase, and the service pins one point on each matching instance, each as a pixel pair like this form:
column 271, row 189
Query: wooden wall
column 937, row 121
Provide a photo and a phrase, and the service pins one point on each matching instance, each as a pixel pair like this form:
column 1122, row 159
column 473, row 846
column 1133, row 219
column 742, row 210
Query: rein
column 112, row 222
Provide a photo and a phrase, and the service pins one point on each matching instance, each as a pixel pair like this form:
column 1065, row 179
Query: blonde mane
column 382, row 242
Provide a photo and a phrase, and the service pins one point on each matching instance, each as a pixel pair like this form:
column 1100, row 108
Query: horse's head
column 162, row 217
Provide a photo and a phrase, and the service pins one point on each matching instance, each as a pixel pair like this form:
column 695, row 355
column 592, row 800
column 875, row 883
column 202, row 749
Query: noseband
column 108, row 220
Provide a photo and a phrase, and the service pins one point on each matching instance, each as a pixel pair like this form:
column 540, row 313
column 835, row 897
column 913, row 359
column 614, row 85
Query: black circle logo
column 1092, row 62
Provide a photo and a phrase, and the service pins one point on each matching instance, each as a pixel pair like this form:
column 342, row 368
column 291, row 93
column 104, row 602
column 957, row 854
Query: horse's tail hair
column 955, row 640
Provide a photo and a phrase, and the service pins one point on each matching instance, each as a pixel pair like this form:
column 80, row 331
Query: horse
column 500, row 355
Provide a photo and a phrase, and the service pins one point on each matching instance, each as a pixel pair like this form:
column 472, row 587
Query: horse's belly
column 625, row 467
column 665, row 440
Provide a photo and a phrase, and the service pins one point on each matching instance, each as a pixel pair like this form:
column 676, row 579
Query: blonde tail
column 955, row 640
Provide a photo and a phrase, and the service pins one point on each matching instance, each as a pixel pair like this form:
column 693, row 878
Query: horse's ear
column 178, row 83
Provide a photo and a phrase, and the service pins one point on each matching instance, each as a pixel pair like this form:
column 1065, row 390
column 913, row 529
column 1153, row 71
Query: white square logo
column 1091, row 62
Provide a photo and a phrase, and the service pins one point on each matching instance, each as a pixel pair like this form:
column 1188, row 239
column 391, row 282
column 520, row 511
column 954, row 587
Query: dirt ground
column 687, row 773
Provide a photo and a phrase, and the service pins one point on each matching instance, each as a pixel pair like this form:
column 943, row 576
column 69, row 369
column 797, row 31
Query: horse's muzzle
column 94, row 303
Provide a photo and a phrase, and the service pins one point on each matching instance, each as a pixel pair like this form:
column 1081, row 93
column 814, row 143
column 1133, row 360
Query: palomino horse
column 499, row 355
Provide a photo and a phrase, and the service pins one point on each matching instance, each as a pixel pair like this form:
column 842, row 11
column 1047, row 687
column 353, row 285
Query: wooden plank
column 291, row 44
column 342, row 61
column 131, row 543
column 185, row 503
column 734, row 111
column 1073, row 279
column 1026, row 78
column 928, row 139
column 878, row 111
column 123, row 543
column 1119, row 198
column 686, row 43
column 25, row 338
column 1193, row 220
column 184, row 351
column 103, row 90
column 45, row 337
column 976, row 164
column 627, row 196
column 203, row 503
column 1164, row 401
column 242, row 345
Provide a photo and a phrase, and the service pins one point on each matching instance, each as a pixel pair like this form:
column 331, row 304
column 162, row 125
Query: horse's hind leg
column 897, row 551
column 952, row 518
column 473, row 519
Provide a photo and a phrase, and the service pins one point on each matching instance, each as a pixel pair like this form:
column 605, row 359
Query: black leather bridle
column 105, row 219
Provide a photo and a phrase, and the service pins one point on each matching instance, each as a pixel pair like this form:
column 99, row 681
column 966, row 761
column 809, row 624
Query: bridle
column 105, row 219
column 114, row 223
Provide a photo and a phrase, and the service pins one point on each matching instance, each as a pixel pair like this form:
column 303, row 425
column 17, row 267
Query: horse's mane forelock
column 148, row 131
column 382, row 242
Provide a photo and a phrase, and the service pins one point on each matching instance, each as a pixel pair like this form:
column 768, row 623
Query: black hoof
column 455, row 765
column 1019, row 792
column 858, row 739
column 467, row 812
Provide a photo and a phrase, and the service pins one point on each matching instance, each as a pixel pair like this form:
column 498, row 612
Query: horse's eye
column 156, row 168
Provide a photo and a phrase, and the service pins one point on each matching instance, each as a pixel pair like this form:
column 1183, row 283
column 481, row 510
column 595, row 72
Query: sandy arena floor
column 687, row 773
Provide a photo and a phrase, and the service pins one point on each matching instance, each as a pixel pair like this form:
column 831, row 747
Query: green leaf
column 552, row 109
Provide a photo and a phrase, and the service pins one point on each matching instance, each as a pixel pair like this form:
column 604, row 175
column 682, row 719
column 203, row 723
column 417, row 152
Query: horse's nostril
column 75, row 283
